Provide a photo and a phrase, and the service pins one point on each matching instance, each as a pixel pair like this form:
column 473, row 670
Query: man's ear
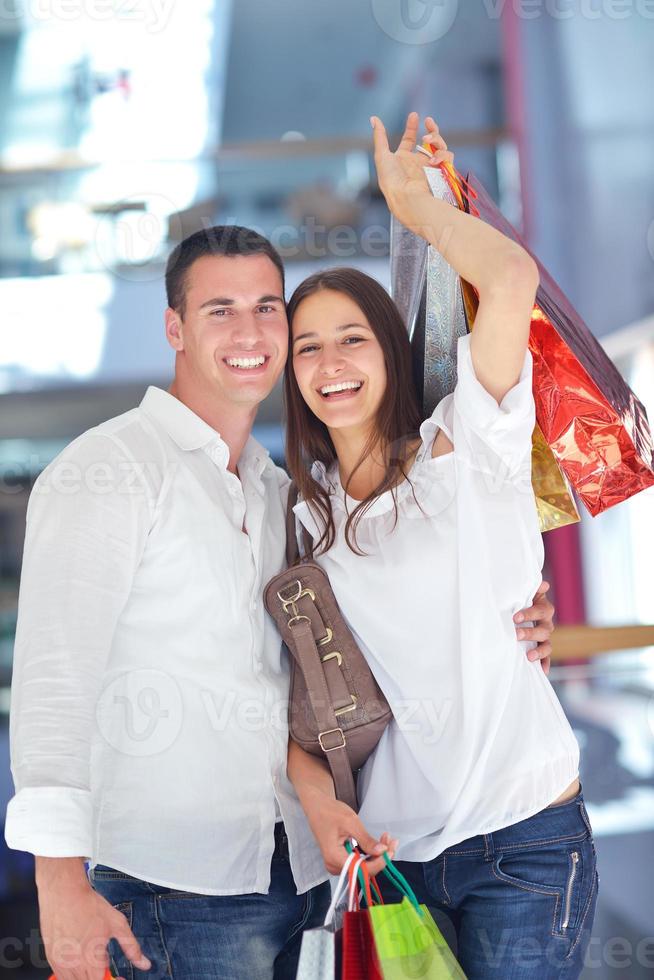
column 174, row 329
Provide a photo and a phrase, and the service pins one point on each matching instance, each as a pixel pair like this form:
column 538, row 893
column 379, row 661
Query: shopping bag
column 407, row 941
column 358, row 954
column 410, row 944
column 595, row 426
column 320, row 949
column 317, row 955
column 438, row 307
column 554, row 500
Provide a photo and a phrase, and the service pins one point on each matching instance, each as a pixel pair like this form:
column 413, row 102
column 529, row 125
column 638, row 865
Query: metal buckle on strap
column 296, row 619
column 350, row 707
column 334, row 655
column 331, row 731
column 290, row 602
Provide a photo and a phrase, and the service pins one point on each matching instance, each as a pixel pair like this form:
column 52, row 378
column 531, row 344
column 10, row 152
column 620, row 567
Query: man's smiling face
column 233, row 334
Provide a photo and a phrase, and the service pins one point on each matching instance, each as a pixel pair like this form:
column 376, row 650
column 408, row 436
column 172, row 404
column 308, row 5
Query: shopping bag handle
column 396, row 878
column 353, row 876
column 338, row 890
column 459, row 186
column 108, row 975
column 360, row 871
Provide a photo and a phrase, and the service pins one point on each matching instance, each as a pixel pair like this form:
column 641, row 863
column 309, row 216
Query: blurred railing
column 571, row 643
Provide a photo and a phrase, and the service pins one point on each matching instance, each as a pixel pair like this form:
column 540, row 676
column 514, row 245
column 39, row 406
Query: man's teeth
column 246, row 362
column 341, row 386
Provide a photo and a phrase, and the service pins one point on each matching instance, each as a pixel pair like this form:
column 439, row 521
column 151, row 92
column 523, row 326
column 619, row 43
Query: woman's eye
column 308, row 349
column 355, row 340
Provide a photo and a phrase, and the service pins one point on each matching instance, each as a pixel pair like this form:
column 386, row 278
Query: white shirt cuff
column 480, row 406
column 50, row 821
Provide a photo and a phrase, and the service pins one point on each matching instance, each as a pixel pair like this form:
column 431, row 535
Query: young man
column 148, row 719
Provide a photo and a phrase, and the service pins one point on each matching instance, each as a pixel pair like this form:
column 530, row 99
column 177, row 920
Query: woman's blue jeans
column 517, row 904
column 187, row 936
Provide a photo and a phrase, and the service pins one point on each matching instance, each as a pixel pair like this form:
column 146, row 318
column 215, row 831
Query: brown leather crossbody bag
column 336, row 708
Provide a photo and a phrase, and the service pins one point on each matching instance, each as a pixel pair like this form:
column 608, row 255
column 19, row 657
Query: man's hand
column 332, row 823
column 77, row 923
column 541, row 614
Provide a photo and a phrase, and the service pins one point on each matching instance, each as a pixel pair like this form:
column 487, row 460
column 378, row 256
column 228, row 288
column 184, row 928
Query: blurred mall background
column 124, row 127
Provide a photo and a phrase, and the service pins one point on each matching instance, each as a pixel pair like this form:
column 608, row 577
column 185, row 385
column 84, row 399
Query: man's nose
column 247, row 331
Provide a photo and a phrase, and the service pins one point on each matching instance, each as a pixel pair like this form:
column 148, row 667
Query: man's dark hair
column 227, row 240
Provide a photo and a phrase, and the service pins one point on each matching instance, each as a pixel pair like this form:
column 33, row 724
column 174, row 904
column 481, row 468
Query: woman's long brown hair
column 398, row 417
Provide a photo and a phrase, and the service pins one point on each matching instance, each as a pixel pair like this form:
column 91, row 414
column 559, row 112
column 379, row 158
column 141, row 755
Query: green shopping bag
column 409, row 944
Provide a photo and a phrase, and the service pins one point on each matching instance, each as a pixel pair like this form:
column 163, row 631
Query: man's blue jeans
column 188, row 936
column 517, row 904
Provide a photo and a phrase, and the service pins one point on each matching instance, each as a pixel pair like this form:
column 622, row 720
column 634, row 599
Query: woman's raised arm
column 503, row 273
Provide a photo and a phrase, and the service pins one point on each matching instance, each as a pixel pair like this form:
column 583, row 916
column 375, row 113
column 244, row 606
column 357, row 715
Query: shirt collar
column 190, row 432
column 325, row 477
column 187, row 429
column 253, row 458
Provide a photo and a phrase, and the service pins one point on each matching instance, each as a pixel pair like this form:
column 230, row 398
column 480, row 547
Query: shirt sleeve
column 493, row 438
column 88, row 518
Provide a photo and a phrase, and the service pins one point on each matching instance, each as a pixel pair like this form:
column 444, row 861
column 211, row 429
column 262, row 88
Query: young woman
column 430, row 537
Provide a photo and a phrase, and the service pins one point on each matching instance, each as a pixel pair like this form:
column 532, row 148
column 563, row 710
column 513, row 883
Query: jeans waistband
column 563, row 822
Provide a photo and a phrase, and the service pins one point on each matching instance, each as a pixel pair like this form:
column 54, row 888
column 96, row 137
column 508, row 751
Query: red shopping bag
column 359, row 955
column 595, row 426
column 359, row 958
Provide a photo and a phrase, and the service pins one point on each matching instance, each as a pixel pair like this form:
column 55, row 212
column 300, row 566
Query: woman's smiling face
column 337, row 361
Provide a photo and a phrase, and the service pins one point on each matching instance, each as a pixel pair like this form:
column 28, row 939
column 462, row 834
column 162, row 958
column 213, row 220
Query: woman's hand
column 401, row 174
column 332, row 823
column 541, row 614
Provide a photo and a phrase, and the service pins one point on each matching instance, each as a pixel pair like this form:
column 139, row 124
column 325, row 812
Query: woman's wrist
column 426, row 216
column 312, row 793
column 409, row 208
column 309, row 774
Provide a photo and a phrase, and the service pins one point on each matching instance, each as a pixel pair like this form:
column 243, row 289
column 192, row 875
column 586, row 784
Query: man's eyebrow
column 226, row 301
column 218, row 301
column 344, row 326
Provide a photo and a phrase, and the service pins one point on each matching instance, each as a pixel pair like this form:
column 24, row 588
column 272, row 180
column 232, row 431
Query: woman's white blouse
column 479, row 739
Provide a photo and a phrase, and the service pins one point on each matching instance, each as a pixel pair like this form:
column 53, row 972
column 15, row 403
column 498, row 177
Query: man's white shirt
column 149, row 694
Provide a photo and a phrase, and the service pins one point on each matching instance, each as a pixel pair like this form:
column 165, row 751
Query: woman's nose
column 331, row 361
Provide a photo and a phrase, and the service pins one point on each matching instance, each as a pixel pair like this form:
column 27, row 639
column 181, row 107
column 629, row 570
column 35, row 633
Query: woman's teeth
column 341, row 386
column 245, row 362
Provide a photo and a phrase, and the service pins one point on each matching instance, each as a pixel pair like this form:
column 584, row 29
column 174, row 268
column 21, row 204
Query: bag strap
column 331, row 736
column 292, row 550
